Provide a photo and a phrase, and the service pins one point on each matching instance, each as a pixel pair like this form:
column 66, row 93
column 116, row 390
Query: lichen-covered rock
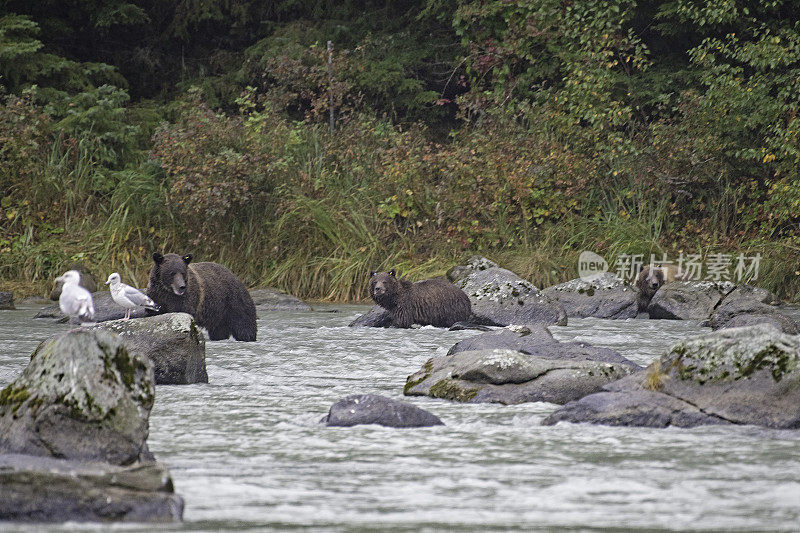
column 374, row 409
column 82, row 396
column 748, row 375
column 172, row 342
column 6, row 300
column 510, row 377
column 499, row 298
column 476, row 263
column 688, row 300
column 105, row 309
column 603, row 295
column 275, row 300
column 45, row 489
column 538, row 341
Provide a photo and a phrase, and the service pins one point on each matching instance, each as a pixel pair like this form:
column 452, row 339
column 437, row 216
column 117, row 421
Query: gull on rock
column 127, row 296
column 75, row 301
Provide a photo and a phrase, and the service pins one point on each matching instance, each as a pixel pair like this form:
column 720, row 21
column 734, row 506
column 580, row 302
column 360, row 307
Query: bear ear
column 372, row 273
column 187, row 258
column 392, row 273
column 158, row 258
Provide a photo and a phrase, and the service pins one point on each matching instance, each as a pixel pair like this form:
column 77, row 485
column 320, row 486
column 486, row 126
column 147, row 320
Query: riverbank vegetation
column 524, row 131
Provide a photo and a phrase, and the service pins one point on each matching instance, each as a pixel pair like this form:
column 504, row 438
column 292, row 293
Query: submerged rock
column 499, row 298
column 688, row 300
column 83, row 396
column 748, row 375
column 374, row 409
column 45, row 489
column 511, row 377
column 274, row 300
column 173, row 342
column 603, row 295
column 6, row 300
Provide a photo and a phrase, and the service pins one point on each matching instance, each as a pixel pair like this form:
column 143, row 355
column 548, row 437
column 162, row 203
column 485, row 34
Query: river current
column 247, row 452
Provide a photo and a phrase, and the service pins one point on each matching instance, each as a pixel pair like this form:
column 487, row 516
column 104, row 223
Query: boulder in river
column 500, row 298
column 375, row 409
column 603, row 295
column 274, row 300
column 46, row 489
column 748, row 375
column 746, row 306
column 82, row 396
column 73, row 430
column 688, row 300
column 512, row 377
column 6, row 300
column 538, row 341
column 173, row 342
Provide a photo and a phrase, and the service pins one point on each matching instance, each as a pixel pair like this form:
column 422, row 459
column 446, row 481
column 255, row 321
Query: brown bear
column 431, row 302
column 651, row 278
column 209, row 292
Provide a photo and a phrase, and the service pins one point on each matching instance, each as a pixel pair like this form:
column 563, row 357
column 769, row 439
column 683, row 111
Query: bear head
column 170, row 272
column 650, row 279
column 384, row 288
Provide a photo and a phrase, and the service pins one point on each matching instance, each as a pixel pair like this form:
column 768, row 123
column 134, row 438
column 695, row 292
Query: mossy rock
column 82, row 396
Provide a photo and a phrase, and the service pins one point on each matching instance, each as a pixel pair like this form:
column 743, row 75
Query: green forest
column 525, row 131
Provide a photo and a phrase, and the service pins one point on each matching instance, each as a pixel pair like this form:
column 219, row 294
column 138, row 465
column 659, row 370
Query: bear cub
column 431, row 302
column 209, row 292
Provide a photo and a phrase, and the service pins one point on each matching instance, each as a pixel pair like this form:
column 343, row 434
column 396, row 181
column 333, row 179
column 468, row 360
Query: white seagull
column 75, row 301
column 127, row 296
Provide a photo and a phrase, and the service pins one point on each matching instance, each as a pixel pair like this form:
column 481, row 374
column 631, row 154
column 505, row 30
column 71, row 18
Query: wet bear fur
column 209, row 292
column 431, row 302
column 653, row 277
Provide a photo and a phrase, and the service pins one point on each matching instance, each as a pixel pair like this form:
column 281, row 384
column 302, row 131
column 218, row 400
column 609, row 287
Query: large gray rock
column 603, row 295
column 746, row 306
column 105, row 309
column 374, row 409
column 83, row 396
column 274, row 300
column 688, row 300
column 748, row 375
column 6, row 300
column 172, row 342
column 500, row 298
column 510, row 377
column 539, row 342
column 476, row 263
column 45, row 489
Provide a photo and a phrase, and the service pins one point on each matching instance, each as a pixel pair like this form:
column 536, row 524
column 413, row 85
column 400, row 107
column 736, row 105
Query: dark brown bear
column 432, row 302
column 209, row 292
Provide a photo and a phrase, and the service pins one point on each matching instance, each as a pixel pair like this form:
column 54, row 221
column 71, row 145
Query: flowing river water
column 247, row 452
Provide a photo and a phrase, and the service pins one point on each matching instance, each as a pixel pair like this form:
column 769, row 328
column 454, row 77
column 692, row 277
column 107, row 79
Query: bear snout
column 379, row 289
column 179, row 285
